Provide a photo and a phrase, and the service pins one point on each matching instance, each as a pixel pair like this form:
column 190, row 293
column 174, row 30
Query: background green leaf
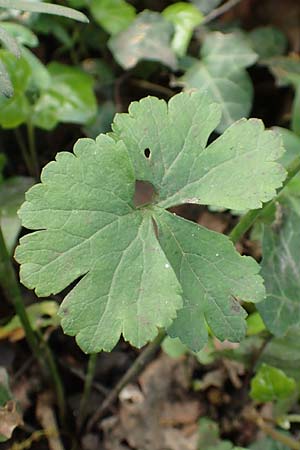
column 12, row 195
column 280, row 269
column 113, row 15
column 69, row 98
column 268, row 42
column 270, row 384
column 185, row 18
column 147, row 38
column 221, row 72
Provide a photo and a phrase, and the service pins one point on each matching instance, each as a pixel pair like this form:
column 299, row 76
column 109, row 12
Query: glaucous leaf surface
column 113, row 15
column 131, row 280
column 185, row 18
column 281, row 271
column 271, row 384
column 221, row 71
column 147, row 38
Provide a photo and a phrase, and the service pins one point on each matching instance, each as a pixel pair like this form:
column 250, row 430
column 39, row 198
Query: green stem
column 87, row 388
column 248, row 219
column 144, row 357
column 24, row 151
column 32, row 149
column 11, row 288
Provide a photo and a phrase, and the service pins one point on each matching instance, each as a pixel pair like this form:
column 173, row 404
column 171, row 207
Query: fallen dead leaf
column 10, row 418
column 159, row 414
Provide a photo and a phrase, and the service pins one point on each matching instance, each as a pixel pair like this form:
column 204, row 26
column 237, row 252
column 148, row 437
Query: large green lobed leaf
column 133, row 277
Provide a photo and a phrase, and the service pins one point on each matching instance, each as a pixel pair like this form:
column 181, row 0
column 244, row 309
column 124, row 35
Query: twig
column 87, row 389
column 144, row 84
column 79, row 374
column 215, row 13
column 130, row 375
column 253, row 415
column 248, row 219
column 276, row 435
column 46, row 417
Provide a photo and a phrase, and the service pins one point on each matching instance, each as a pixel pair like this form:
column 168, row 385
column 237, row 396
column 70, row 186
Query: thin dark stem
column 248, row 219
column 55, row 377
column 32, row 149
column 88, row 383
column 24, row 151
column 144, row 357
column 12, row 291
column 214, row 14
column 145, row 84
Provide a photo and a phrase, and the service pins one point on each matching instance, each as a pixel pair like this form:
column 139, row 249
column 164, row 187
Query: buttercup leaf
column 91, row 230
column 211, row 287
column 221, row 174
column 141, row 268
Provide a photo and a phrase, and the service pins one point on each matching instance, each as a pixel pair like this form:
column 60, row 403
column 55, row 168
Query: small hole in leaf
column 147, row 153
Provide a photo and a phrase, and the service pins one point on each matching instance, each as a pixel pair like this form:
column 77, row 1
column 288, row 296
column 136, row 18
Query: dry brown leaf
column 10, row 418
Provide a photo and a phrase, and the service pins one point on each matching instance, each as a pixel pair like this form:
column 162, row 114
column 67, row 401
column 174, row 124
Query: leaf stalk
column 246, row 222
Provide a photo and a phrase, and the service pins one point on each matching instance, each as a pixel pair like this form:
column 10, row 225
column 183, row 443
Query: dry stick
column 276, row 435
column 130, row 375
column 220, row 11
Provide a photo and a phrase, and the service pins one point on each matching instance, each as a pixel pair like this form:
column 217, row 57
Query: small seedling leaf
column 270, row 384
